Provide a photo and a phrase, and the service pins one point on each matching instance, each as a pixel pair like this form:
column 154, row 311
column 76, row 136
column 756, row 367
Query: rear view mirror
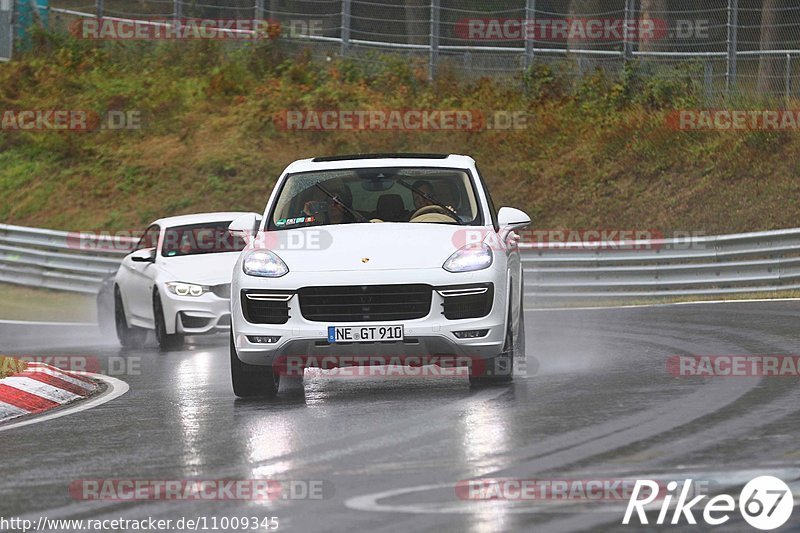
column 377, row 184
column 147, row 255
column 245, row 226
column 513, row 218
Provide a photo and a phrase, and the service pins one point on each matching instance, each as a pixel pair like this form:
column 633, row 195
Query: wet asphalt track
column 601, row 406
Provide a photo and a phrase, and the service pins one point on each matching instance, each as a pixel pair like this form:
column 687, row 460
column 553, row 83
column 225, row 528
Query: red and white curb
column 41, row 388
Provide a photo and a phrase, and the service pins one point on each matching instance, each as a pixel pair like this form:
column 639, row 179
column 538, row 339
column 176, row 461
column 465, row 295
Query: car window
column 375, row 194
column 150, row 238
column 197, row 239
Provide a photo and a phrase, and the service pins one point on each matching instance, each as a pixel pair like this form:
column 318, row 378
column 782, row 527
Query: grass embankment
column 595, row 154
column 10, row 366
column 23, row 303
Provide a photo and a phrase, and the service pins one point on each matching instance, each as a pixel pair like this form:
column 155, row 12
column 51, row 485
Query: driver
column 324, row 208
column 419, row 200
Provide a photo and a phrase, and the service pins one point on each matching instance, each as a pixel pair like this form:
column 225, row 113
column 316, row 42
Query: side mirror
column 245, row 226
column 513, row 218
column 147, row 255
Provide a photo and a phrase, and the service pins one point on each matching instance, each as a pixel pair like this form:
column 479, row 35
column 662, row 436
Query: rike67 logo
column 765, row 503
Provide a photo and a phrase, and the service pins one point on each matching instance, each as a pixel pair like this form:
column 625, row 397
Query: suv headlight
column 469, row 259
column 186, row 289
column 264, row 264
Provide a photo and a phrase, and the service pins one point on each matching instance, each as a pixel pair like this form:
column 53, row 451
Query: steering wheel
column 433, row 209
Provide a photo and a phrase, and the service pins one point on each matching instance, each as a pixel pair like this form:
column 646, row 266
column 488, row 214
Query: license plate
column 365, row 333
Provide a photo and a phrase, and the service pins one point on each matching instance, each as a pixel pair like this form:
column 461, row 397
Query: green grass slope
column 594, row 154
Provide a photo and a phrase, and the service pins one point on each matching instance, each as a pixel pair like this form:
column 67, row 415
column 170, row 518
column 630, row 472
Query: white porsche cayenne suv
column 177, row 280
column 375, row 260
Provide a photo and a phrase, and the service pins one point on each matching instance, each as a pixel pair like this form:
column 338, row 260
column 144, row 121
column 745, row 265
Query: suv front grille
column 467, row 301
column 365, row 303
column 265, row 306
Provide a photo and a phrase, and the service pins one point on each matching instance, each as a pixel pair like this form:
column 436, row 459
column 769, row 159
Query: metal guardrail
column 554, row 272
column 68, row 261
column 700, row 266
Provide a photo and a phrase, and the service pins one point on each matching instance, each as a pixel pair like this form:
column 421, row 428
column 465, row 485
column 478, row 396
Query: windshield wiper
column 359, row 216
column 432, row 200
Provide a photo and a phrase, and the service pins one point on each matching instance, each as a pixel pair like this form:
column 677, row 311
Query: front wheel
column 128, row 336
column 252, row 381
column 498, row 369
column 165, row 340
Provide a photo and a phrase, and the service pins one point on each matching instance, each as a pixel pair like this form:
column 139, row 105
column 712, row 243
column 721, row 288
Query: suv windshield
column 209, row 238
column 419, row 195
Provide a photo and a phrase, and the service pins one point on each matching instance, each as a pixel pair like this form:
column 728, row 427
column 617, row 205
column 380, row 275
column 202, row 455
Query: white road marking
column 371, row 502
column 37, row 323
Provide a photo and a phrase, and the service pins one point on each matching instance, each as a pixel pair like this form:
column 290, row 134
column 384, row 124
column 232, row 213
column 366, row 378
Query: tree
column 582, row 9
column 771, row 67
column 417, row 21
column 655, row 12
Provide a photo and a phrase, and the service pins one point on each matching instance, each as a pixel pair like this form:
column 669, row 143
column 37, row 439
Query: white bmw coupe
column 177, row 280
column 375, row 260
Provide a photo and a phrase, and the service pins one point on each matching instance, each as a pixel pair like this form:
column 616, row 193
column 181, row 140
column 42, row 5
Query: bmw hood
column 368, row 247
column 202, row 269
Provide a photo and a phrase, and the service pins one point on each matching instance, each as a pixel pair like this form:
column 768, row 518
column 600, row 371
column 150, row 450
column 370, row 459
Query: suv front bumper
column 432, row 335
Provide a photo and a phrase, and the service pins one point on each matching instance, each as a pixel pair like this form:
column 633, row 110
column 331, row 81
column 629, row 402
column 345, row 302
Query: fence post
column 733, row 38
column 627, row 45
column 99, row 8
column 530, row 44
column 788, row 78
column 258, row 10
column 6, row 29
column 345, row 26
column 177, row 13
column 434, row 40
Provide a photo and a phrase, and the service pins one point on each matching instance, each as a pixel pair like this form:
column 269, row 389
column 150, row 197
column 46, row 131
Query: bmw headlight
column 469, row 259
column 264, row 264
column 186, row 289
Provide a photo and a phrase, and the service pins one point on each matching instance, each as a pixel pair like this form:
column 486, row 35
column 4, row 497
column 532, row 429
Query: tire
column 166, row 341
column 252, row 381
column 128, row 336
column 498, row 369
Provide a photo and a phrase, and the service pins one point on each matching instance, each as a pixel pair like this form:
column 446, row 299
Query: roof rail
column 379, row 156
